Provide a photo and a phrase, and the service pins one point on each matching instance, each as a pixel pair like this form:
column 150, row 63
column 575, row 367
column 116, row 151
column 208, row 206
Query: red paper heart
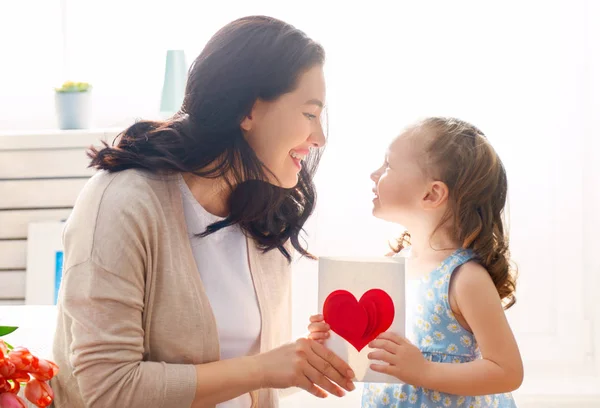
column 359, row 322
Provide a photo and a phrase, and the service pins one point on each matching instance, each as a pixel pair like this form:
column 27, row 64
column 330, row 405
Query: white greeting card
column 360, row 298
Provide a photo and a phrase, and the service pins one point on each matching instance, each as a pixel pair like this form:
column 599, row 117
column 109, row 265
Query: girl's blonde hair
column 458, row 154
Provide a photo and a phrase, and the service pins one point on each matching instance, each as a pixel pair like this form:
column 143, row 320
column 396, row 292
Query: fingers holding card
column 360, row 298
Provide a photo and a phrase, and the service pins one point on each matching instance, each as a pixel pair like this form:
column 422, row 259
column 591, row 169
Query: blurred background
column 525, row 72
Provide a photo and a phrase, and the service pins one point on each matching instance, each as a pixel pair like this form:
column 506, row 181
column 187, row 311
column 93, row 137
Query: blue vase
column 174, row 83
column 73, row 109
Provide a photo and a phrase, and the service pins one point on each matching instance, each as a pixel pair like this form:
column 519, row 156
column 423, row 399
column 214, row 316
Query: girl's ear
column 436, row 195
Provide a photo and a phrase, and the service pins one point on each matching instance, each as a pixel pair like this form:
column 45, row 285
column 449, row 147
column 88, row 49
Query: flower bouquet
column 18, row 367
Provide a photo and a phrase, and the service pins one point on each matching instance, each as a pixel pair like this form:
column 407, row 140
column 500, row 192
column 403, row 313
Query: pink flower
column 8, row 400
column 3, row 349
column 44, row 370
column 7, row 368
column 39, row 393
column 20, row 376
column 20, row 366
column 9, row 386
column 4, row 385
column 16, row 387
column 23, row 359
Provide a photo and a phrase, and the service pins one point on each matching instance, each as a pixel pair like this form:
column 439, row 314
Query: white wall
column 525, row 72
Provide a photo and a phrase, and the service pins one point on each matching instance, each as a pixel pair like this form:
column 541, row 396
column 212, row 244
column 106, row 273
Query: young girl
column 444, row 182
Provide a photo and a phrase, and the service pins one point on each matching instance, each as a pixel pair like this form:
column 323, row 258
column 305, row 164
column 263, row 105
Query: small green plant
column 71, row 86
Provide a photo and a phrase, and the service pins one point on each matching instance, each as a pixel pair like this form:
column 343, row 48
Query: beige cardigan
column 133, row 317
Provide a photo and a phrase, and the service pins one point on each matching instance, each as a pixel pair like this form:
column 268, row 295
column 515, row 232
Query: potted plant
column 74, row 105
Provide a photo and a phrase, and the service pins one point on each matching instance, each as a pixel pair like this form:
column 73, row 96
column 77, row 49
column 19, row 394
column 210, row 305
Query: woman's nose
column 317, row 138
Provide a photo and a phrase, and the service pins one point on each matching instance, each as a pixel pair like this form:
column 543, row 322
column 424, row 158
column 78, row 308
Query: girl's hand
column 319, row 330
column 404, row 360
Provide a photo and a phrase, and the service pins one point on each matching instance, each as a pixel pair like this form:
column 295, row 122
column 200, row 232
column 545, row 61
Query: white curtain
column 525, row 72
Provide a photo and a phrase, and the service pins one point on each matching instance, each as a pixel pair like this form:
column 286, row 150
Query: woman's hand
column 305, row 364
column 319, row 330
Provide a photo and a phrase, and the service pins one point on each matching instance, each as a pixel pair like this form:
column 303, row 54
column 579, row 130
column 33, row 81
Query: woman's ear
column 249, row 121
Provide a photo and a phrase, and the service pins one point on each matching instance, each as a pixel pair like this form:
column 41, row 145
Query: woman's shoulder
column 140, row 179
column 128, row 196
column 125, row 187
column 116, row 207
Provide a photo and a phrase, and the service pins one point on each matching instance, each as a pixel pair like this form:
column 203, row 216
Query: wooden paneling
column 22, row 164
column 41, row 175
column 60, row 193
column 13, row 254
column 12, row 284
column 11, row 302
column 13, row 224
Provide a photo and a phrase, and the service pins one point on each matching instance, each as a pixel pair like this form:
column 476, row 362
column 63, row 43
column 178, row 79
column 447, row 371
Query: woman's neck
column 211, row 193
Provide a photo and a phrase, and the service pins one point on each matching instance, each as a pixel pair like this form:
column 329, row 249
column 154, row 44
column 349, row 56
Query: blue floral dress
column 441, row 339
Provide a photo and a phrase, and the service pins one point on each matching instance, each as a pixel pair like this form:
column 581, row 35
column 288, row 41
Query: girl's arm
column 500, row 369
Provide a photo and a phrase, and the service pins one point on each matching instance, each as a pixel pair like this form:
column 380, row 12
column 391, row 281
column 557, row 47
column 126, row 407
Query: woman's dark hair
column 251, row 58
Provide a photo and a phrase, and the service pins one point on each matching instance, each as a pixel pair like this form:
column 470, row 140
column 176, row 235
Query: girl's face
column 400, row 183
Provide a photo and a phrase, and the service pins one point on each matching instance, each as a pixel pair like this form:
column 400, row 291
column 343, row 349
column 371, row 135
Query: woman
column 176, row 288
